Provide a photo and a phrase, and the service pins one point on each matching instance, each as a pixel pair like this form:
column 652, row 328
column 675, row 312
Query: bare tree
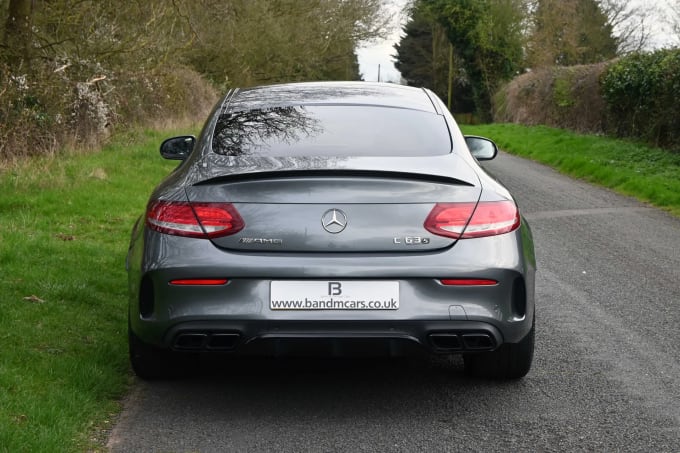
column 570, row 32
column 246, row 42
column 673, row 8
column 631, row 22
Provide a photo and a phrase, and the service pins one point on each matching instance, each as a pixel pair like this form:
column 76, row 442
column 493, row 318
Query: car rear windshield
column 323, row 130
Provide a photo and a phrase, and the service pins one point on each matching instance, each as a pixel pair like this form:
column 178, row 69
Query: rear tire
column 148, row 362
column 509, row 361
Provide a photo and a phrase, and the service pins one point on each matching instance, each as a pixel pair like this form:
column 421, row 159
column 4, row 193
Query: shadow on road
column 323, row 388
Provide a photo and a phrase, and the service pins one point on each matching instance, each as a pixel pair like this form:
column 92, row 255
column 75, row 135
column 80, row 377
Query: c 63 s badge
column 411, row 240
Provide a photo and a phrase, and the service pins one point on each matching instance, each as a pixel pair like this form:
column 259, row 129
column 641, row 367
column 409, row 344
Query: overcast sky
column 380, row 53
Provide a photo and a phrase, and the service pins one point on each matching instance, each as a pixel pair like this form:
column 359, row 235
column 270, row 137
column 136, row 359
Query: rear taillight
column 198, row 220
column 464, row 220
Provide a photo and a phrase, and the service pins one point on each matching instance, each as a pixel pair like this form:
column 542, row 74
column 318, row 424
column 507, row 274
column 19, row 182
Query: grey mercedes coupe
column 327, row 219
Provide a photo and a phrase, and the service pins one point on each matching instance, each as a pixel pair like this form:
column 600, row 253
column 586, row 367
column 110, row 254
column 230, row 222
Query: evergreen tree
column 488, row 38
column 422, row 57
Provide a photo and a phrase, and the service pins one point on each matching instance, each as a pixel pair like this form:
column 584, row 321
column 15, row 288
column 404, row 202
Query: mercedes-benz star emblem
column 334, row 221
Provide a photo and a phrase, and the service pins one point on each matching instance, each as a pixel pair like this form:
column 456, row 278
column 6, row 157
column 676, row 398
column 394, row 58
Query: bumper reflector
column 468, row 282
column 199, row 281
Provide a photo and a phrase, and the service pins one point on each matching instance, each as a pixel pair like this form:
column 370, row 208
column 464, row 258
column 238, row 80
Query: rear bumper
column 236, row 318
column 333, row 338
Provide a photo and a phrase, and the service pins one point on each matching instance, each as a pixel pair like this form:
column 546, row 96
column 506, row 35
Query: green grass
column 650, row 174
column 64, row 229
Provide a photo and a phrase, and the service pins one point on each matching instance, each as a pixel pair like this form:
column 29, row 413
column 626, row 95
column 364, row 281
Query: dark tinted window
column 323, row 130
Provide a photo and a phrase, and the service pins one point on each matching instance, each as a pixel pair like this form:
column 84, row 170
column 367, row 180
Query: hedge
column 642, row 93
column 637, row 96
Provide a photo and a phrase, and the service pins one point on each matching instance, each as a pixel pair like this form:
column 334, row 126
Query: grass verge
column 650, row 174
column 64, row 229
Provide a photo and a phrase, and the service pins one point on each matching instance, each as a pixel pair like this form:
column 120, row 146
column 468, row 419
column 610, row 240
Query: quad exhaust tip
column 206, row 341
column 452, row 341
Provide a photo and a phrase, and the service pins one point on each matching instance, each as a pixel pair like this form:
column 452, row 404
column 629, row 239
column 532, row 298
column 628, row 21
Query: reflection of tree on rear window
column 322, row 130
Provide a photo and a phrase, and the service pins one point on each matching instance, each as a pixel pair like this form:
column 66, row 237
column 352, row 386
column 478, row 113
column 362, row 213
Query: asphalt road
column 606, row 376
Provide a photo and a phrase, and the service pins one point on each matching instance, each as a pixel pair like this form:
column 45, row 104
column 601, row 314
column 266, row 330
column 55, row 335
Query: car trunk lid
column 361, row 209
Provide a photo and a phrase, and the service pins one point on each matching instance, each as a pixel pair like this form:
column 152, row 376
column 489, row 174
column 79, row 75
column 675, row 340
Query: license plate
column 334, row 295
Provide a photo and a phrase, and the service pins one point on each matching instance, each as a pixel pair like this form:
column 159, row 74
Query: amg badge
column 263, row 241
